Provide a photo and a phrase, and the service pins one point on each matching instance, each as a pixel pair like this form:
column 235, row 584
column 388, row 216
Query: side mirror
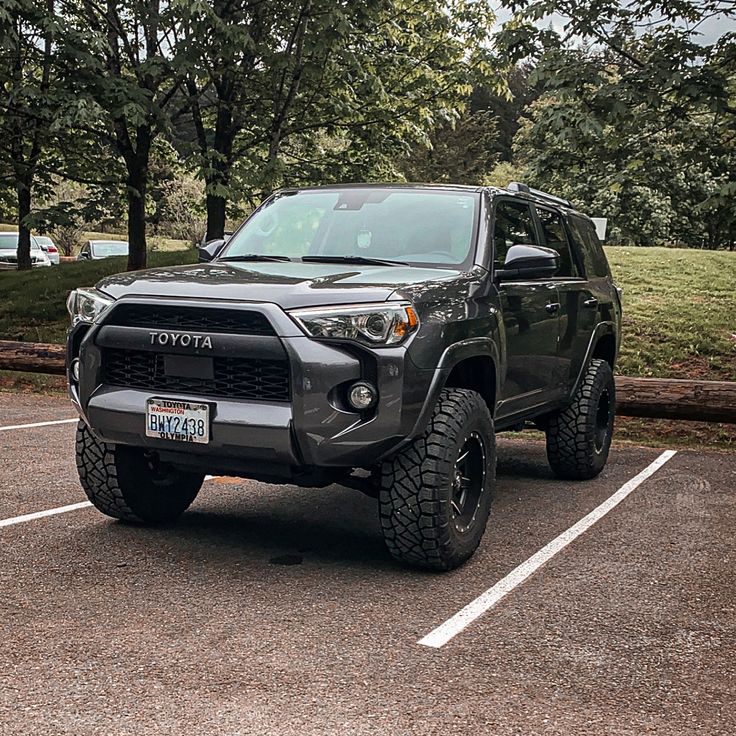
column 526, row 262
column 209, row 251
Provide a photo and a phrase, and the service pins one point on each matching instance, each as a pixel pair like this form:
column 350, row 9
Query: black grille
column 234, row 378
column 205, row 319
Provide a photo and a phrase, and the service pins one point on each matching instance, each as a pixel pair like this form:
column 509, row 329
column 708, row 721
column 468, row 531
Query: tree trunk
column 215, row 217
column 24, row 233
column 218, row 176
column 33, row 357
column 136, row 189
column 664, row 398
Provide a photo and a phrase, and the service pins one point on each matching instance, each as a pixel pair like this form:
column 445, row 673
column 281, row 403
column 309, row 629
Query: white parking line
column 38, row 424
column 463, row 618
column 59, row 510
column 42, row 514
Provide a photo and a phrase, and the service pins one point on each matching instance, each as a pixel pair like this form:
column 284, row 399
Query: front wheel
column 131, row 484
column 579, row 437
column 435, row 494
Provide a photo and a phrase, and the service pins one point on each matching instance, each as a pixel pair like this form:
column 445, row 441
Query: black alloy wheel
column 468, row 483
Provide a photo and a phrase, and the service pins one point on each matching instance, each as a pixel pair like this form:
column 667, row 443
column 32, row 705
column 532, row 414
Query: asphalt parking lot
column 277, row 610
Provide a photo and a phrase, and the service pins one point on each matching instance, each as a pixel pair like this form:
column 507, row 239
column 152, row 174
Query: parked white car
column 9, row 252
column 49, row 248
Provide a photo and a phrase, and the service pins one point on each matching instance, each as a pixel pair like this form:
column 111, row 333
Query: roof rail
column 517, row 186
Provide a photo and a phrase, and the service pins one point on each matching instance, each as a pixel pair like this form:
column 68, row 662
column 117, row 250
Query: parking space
column 276, row 610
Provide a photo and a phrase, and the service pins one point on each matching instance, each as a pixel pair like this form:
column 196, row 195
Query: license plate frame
column 178, row 420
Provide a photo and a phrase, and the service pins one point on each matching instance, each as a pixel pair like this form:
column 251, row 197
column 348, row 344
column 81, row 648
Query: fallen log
column 670, row 398
column 35, row 357
column 655, row 398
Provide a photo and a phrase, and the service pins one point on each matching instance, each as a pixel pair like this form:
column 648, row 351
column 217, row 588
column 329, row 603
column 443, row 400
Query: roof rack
column 517, row 186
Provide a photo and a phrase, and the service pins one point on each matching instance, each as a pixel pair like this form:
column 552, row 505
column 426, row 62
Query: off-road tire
column 129, row 484
column 579, row 437
column 416, row 492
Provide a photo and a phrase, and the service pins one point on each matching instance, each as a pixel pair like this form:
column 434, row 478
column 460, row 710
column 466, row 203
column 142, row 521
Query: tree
column 506, row 106
column 461, row 152
column 656, row 185
column 124, row 71
column 637, row 107
column 28, row 107
column 656, row 44
column 276, row 83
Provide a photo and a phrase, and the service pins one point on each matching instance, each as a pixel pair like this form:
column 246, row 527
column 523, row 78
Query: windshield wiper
column 254, row 257
column 352, row 259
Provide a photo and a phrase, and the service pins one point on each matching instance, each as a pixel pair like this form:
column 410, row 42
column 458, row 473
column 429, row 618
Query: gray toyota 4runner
column 375, row 336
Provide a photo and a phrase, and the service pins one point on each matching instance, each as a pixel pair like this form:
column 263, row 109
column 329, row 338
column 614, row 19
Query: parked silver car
column 93, row 250
column 49, row 248
column 9, row 252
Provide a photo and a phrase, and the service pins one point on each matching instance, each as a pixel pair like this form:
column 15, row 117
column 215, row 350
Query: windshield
column 105, row 248
column 9, row 241
column 429, row 227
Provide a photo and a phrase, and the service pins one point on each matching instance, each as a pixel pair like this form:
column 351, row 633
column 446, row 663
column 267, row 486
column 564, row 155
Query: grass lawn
column 679, row 312
column 679, row 321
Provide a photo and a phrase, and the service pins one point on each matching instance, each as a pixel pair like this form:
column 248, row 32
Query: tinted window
column 10, row 241
column 432, row 227
column 586, row 240
column 105, row 248
column 513, row 225
column 555, row 237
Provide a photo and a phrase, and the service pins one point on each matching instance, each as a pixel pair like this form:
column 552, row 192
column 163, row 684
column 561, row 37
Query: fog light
column 75, row 370
column 362, row 395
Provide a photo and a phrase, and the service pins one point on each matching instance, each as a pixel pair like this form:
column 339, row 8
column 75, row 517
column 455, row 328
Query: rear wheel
column 579, row 438
column 435, row 494
column 131, row 484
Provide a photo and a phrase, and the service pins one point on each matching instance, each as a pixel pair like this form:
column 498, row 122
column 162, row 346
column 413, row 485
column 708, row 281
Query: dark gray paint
column 537, row 355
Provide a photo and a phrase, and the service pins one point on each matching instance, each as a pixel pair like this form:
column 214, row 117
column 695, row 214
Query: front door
column 531, row 314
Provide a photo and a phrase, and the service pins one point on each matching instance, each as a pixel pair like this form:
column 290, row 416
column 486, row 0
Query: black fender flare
column 602, row 329
column 475, row 347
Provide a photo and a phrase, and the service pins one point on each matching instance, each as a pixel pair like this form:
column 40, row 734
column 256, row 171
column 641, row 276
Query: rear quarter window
column 585, row 239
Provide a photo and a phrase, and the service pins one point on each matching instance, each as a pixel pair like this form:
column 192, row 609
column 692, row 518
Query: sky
column 711, row 30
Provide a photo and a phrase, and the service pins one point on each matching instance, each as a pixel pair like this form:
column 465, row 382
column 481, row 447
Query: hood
column 290, row 284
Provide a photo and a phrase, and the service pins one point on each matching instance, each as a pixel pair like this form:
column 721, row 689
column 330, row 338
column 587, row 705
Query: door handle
column 552, row 307
column 591, row 303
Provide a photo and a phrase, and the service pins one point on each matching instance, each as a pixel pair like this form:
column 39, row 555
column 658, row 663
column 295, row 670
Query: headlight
column 370, row 324
column 86, row 305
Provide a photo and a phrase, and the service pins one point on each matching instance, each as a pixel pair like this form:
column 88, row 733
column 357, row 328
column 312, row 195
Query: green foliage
column 503, row 174
column 656, row 184
column 459, row 151
column 181, row 214
column 123, row 71
column 638, row 115
column 324, row 91
column 29, row 107
column 656, row 44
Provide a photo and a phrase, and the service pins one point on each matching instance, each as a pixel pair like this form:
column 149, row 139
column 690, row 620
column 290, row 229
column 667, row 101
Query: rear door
column 578, row 304
column 530, row 317
column 603, row 302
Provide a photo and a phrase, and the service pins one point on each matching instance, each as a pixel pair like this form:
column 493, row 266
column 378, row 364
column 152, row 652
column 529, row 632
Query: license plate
column 183, row 421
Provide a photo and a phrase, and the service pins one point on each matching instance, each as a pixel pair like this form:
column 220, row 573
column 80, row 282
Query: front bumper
column 314, row 429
